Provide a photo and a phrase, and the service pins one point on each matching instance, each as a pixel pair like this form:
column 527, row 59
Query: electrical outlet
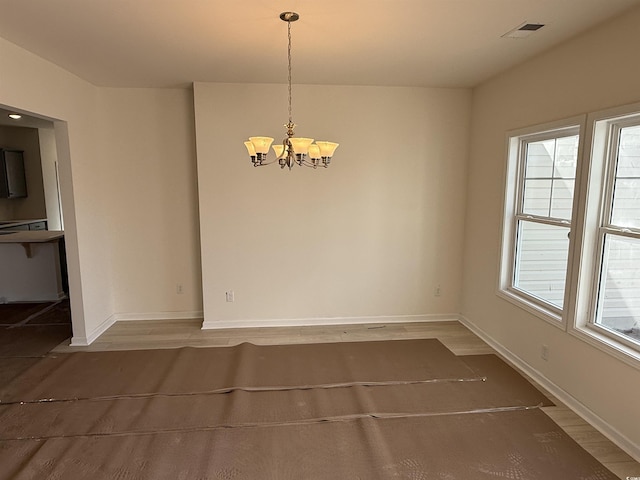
column 179, row 289
column 230, row 296
column 437, row 291
column 544, row 353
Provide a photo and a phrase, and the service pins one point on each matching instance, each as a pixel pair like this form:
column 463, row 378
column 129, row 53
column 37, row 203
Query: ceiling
column 167, row 43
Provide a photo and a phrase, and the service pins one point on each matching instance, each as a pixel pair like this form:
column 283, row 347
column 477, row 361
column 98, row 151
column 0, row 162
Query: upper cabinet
column 13, row 183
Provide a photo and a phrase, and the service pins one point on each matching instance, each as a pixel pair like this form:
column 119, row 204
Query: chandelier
column 294, row 150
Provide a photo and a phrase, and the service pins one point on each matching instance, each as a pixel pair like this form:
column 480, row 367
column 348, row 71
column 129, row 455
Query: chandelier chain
column 289, row 63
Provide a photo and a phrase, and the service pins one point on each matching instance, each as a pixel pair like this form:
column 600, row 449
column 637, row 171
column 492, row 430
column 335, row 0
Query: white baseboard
column 307, row 322
column 77, row 341
column 569, row 400
column 126, row 317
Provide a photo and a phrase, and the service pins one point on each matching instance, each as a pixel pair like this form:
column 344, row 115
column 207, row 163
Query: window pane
column 619, row 298
column 566, row 157
column 626, row 197
column 549, row 177
column 540, row 157
column 629, row 152
column 537, row 197
column 541, row 261
column 562, row 199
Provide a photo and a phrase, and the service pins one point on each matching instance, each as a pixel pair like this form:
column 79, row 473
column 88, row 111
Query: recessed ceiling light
column 524, row 30
column 15, row 116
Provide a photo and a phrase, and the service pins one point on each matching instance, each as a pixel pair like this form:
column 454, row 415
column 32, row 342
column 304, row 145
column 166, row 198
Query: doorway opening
column 39, row 273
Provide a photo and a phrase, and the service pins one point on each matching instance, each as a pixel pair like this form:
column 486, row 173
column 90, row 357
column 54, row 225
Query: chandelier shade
column 293, row 150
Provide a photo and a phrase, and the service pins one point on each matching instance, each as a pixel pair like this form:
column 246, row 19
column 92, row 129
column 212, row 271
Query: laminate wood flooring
column 151, row 334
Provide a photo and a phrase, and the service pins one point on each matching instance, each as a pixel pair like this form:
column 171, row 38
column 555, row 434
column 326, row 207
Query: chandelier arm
column 262, row 164
column 307, row 163
column 286, row 144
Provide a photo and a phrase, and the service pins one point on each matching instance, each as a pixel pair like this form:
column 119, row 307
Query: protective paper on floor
column 471, row 418
column 12, row 368
column 504, row 380
column 54, row 313
column 199, row 370
column 508, row 445
column 13, row 313
column 31, row 340
column 241, row 408
column 31, row 330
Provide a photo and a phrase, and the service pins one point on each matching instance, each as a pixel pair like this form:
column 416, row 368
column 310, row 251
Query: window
column 614, row 309
column 538, row 212
column 571, row 230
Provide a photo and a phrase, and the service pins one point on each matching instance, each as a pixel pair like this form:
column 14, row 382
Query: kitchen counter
column 27, row 238
column 30, row 236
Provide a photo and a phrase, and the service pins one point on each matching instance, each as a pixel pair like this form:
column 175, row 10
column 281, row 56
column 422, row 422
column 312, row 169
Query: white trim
column 513, row 185
column 569, row 400
column 595, row 193
column 305, row 322
column 92, row 336
column 77, row 341
column 128, row 317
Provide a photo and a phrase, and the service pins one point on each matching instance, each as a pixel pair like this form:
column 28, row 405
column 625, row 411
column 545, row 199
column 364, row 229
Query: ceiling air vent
column 524, row 30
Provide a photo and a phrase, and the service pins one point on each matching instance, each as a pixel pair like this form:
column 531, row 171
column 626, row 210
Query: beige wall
column 387, row 217
column 33, row 206
column 373, row 235
column 591, row 72
column 31, row 84
column 147, row 136
column 127, row 175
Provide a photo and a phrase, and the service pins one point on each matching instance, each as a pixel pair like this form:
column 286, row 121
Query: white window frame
column 596, row 189
column 513, row 191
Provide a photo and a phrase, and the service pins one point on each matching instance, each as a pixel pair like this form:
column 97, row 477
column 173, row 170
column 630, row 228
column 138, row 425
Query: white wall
column 127, row 173
column 148, row 138
column 371, row 236
column 31, row 84
column 589, row 73
column 387, row 216
column 32, row 206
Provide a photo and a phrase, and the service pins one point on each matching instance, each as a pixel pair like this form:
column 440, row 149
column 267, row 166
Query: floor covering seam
column 340, row 418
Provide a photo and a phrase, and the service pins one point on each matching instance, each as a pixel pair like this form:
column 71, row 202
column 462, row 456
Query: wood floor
column 148, row 334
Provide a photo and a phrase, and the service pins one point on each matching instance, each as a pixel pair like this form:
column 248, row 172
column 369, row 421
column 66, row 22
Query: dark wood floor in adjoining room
column 28, row 332
column 142, row 335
